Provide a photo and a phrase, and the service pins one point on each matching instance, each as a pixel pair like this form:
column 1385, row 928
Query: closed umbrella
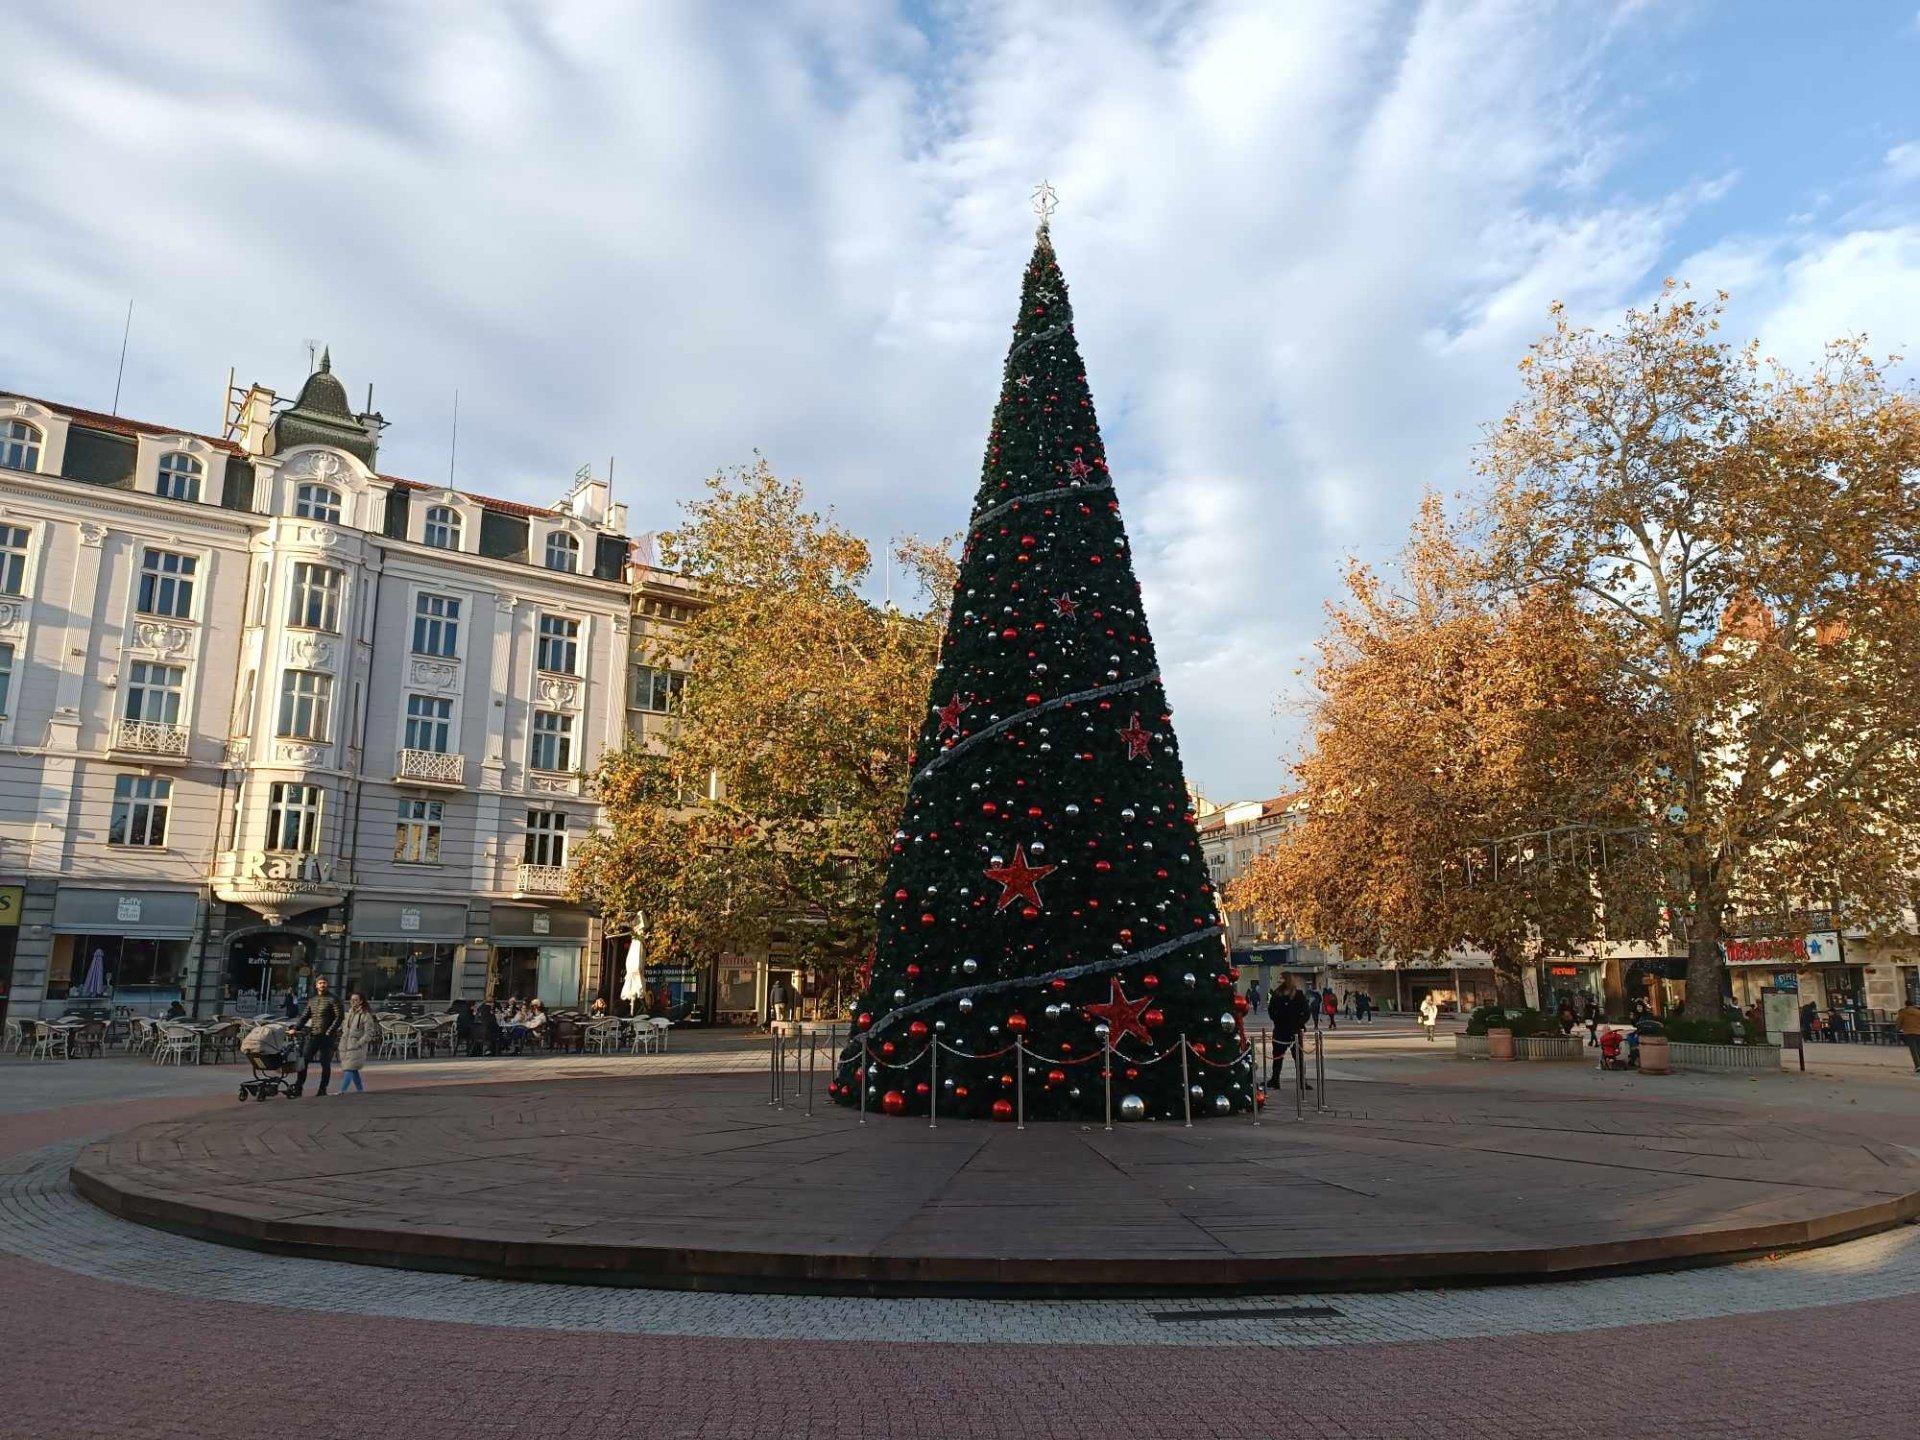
column 413, row 975
column 633, row 988
column 96, row 981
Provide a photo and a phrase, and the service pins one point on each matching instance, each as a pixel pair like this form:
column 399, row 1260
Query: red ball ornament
column 927, row 920
column 1152, row 982
column 922, row 1088
column 1155, row 1018
column 894, row 1103
column 900, row 894
column 1003, row 1110
column 1132, row 1073
column 1241, row 1005
column 886, row 1047
column 913, row 972
column 865, row 1021
column 1103, row 866
column 1017, row 1023
column 1056, row 985
column 960, row 1091
column 1056, row 1077
column 918, row 1029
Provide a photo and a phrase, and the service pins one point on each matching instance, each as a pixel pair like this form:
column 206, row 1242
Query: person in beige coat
column 359, row 1033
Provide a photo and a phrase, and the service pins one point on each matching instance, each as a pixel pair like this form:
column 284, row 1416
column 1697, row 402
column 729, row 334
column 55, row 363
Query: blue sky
column 1308, row 240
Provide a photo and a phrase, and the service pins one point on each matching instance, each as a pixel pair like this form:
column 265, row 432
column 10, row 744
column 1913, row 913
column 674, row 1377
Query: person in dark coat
column 486, row 1031
column 318, row 1026
column 1289, row 1011
column 289, row 1007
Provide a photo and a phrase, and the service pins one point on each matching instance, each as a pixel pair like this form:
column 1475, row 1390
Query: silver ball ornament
column 969, row 967
column 1222, row 1105
column 966, row 1005
column 1132, row 1107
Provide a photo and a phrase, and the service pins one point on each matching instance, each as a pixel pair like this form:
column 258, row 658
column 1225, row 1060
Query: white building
column 267, row 713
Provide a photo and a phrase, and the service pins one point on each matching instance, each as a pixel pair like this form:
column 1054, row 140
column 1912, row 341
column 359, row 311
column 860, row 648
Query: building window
column 559, row 645
column 153, row 692
column 436, row 626
column 180, row 477
column 552, row 747
column 306, row 704
column 293, row 817
column 443, row 528
column 19, row 446
column 134, row 971
column 416, row 839
column 315, row 602
column 546, row 838
column 563, row 552
column 166, row 584
column 381, row 969
column 317, row 502
column 140, row 805
column 429, row 718
column 657, row 689
column 6, row 680
column 13, row 559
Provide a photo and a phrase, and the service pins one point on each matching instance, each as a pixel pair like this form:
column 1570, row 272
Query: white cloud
column 1306, row 241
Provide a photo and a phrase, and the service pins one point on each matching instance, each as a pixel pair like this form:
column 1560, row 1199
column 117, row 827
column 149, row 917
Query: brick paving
column 117, row 1331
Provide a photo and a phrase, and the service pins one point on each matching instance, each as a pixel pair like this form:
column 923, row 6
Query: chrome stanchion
column 1319, row 1073
column 1299, row 1079
column 773, row 1070
column 1186, row 1088
column 1019, row 1083
column 866, row 1066
column 1253, row 1080
column 813, row 1045
column 1107, row 1070
column 933, row 1088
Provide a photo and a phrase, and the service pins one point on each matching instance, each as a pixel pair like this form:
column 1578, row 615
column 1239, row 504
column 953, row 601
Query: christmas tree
column 1046, row 883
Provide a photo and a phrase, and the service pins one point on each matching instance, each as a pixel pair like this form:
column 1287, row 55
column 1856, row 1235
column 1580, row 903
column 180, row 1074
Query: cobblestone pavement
column 111, row 1330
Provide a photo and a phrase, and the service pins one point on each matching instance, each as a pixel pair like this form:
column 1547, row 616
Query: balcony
column 430, row 767
column 151, row 738
column 542, row 880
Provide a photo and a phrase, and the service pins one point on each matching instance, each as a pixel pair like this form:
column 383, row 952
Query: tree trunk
column 1507, row 983
column 1706, row 965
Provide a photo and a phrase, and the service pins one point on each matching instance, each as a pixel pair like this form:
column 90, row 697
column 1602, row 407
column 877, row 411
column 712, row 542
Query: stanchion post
column 1253, row 1080
column 813, row 1045
column 1019, row 1083
column 1299, row 1079
column 1186, row 1089
column 933, row 1087
column 773, row 1070
column 1319, row 1073
column 1106, row 1069
column 866, row 1065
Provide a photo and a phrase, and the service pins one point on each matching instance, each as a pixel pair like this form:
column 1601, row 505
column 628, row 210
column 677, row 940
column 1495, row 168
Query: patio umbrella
column 633, row 987
column 413, row 975
column 96, row 981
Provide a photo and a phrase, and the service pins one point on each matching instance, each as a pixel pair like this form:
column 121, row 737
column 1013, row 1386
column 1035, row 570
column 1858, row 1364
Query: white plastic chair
column 179, row 1045
column 16, row 1036
column 603, row 1036
column 660, row 1025
column 398, row 1041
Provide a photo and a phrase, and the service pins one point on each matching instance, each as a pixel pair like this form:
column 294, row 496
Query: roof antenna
column 121, row 372
column 453, row 450
column 312, row 357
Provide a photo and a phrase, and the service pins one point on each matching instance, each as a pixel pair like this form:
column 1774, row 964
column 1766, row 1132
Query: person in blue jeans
column 359, row 1033
column 318, row 1026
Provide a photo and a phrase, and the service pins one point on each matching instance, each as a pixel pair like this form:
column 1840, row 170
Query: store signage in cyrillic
column 1767, row 952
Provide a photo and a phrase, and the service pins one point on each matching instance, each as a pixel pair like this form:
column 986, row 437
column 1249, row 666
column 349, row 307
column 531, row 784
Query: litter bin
column 1499, row 1044
column 1655, row 1057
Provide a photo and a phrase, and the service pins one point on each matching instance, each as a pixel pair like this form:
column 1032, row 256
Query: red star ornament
column 1079, row 469
column 1123, row 1015
column 1020, row 880
column 1136, row 738
column 950, row 715
column 1064, row 606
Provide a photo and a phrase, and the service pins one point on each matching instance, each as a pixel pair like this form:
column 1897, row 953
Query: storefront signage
column 543, row 924
column 1785, row 980
column 293, row 874
column 1768, row 951
column 11, row 898
column 1567, row 970
column 409, row 917
column 128, row 909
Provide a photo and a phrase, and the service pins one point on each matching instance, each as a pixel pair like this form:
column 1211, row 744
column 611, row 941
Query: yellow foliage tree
column 772, row 801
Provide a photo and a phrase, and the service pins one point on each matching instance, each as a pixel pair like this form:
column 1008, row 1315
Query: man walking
column 1288, row 1010
column 318, row 1024
column 1909, row 1023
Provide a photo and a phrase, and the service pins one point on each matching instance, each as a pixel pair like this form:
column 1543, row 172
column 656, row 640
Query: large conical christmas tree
column 1047, row 883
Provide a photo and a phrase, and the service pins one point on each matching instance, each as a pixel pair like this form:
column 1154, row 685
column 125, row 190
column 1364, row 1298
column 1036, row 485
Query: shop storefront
column 1574, row 982
column 120, row 950
column 406, row 951
column 538, row 952
column 266, row 962
column 11, row 898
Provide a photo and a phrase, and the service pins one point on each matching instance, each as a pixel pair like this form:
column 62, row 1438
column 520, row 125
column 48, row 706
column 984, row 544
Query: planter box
column 1499, row 1043
column 1724, row 1057
column 1548, row 1047
column 1470, row 1047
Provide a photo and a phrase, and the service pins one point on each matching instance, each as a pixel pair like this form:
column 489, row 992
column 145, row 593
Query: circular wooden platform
column 694, row 1182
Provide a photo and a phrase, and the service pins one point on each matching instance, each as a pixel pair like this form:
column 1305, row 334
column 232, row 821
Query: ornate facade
column 267, row 713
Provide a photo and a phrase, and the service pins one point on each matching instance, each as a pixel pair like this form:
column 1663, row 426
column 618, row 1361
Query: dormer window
column 20, row 446
column 442, row 530
column 180, row 477
column 317, row 502
column 563, row 552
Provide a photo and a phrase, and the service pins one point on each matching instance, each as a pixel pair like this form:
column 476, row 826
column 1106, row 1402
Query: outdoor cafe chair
column 53, row 1042
column 660, row 1025
column 603, row 1036
column 399, row 1040
column 178, row 1045
column 16, row 1036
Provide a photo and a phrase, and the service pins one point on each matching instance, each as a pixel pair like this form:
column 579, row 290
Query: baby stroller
column 274, row 1066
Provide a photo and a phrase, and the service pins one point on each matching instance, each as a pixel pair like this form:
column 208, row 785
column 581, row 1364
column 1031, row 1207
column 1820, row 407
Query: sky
column 1307, row 240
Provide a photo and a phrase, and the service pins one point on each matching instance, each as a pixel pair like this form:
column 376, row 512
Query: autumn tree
column 1741, row 542
column 771, row 802
column 1462, row 776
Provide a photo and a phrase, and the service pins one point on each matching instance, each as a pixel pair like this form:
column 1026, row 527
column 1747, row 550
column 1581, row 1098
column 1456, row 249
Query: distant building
column 267, row 713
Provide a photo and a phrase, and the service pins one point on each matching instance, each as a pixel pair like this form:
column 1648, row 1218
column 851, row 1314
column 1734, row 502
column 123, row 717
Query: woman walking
column 359, row 1033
